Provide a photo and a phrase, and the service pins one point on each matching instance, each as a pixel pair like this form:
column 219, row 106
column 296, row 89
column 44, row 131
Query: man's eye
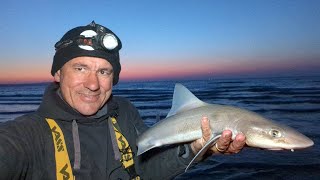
column 105, row 72
column 79, row 68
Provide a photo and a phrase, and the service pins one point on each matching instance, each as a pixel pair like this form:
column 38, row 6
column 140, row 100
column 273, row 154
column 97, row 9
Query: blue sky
column 168, row 38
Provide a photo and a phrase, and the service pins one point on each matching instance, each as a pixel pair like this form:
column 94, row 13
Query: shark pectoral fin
column 203, row 150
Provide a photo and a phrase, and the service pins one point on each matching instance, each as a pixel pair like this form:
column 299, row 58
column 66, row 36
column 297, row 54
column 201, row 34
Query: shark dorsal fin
column 183, row 100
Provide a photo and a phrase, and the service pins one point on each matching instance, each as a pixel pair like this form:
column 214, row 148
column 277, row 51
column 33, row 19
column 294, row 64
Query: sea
column 293, row 101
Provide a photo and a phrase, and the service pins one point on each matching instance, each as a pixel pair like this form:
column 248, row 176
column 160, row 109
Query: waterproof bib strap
column 63, row 166
column 125, row 151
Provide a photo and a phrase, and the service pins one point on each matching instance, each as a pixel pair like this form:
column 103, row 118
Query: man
column 81, row 131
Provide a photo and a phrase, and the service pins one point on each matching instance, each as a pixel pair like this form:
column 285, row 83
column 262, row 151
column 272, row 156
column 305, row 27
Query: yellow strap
column 123, row 145
column 63, row 167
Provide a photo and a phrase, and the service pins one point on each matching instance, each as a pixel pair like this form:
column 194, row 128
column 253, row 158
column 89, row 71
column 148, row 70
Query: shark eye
column 275, row 133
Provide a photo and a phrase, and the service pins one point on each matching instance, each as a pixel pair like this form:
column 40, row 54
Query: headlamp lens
column 109, row 41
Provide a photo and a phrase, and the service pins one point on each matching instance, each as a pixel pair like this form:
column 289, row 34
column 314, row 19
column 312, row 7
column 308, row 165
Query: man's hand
column 224, row 144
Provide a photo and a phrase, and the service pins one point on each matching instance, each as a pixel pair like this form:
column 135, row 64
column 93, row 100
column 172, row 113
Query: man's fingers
column 205, row 127
column 224, row 141
column 206, row 134
column 237, row 144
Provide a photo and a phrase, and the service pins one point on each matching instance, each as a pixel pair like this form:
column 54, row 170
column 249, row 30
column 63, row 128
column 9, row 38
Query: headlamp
column 106, row 41
column 109, row 41
column 93, row 40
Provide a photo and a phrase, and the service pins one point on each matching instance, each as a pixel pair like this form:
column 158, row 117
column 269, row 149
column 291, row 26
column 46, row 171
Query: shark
column 182, row 125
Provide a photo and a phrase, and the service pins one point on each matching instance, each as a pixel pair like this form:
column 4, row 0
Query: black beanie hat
column 67, row 49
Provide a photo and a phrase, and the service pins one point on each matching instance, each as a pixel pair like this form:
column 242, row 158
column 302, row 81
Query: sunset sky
column 168, row 38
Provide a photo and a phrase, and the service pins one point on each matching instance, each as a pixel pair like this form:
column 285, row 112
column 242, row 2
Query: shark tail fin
column 142, row 149
column 204, row 149
column 145, row 146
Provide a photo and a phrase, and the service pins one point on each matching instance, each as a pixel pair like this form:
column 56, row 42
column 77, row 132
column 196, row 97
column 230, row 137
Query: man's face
column 85, row 83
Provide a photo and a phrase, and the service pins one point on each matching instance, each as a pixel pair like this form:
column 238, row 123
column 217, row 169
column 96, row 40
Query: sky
column 169, row 38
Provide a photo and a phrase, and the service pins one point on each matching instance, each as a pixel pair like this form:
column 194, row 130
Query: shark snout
column 299, row 142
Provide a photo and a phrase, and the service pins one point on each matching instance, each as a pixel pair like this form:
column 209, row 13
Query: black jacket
column 27, row 149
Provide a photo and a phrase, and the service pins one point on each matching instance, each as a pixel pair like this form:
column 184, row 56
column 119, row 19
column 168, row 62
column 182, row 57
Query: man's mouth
column 89, row 97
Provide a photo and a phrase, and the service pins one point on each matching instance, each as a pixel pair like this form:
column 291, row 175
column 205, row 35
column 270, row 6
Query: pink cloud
column 172, row 68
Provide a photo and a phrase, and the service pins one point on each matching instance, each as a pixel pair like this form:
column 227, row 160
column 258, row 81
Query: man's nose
column 92, row 81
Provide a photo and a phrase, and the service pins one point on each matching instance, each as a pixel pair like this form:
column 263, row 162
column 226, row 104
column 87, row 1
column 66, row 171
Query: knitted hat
column 92, row 40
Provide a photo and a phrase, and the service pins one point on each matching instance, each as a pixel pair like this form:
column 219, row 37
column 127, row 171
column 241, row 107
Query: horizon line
column 199, row 77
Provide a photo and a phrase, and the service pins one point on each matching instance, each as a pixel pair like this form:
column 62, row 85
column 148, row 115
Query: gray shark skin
column 183, row 124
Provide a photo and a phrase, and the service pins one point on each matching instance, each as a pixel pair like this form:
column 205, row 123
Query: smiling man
column 86, row 83
column 82, row 131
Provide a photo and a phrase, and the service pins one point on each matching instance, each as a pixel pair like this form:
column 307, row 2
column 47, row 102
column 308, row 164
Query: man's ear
column 57, row 76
